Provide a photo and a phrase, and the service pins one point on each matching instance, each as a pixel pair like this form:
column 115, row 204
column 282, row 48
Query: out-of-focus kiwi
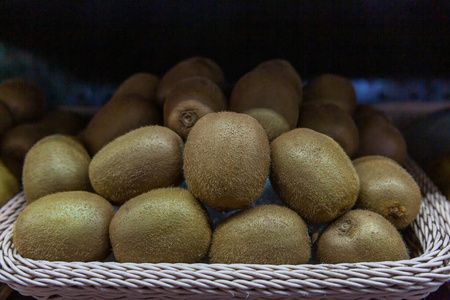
column 6, row 120
column 195, row 66
column 361, row 236
column 17, row 141
column 313, row 175
column 64, row 122
column 142, row 84
column 9, row 185
column 332, row 121
column 378, row 136
column 56, row 163
column 387, row 189
column 227, row 160
column 258, row 89
column 329, row 88
column 161, row 226
column 284, row 71
column 439, row 170
column 189, row 100
column 117, row 117
column 66, row 226
column 25, row 100
column 273, row 123
column 137, row 162
column 265, row 234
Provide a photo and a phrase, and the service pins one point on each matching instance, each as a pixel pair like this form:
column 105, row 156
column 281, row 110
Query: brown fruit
column 195, row 66
column 64, row 122
column 332, row 121
column 329, row 88
column 387, row 189
column 117, row 117
column 226, row 160
column 361, row 236
column 142, row 84
column 439, row 170
column 189, row 100
column 25, row 100
column 6, row 120
column 273, row 123
column 313, row 175
column 258, row 89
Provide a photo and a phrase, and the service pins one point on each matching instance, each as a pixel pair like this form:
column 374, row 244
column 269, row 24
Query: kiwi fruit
column 161, row 226
column 313, row 175
column 387, row 189
column 194, row 66
column 56, row 163
column 273, row 123
column 361, row 236
column 265, row 234
column 17, row 141
column 227, row 160
column 9, row 185
column 379, row 136
column 259, row 89
column 189, row 100
column 117, row 117
column 142, row 84
column 25, row 100
column 332, row 121
column 330, row 88
column 6, row 120
column 64, row 122
column 284, row 71
column 66, row 226
column 141, row 160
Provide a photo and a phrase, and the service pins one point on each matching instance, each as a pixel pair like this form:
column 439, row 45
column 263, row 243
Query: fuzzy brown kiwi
column 25, row 100
column 265, row 234
column 361, row 236
column 284, row 71
column 64, row 122
column 162, row 226
column 258, row 89
column 6, row 120
column 273, row 123
column 387, row 189
column 66, row 226
column 142, row 84
column 117, row 117
column 56, row 163
column 313, row 175
column 330, row 88
column 227, row 160
column 195, row 66
column 17, row 141
column 332, row 121
column 189, row 100
column 141, row 160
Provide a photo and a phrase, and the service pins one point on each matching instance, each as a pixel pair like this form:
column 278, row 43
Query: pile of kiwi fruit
column 173, row 170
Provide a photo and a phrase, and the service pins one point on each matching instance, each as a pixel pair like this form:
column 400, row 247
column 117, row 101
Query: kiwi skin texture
column 117, row 117
column 387, row 189
column 25, row 100
column 142, row 84
column 57, row 163
column 189, row 100
column 162, row 226
column 227, row 160
column 66, row 226
column 273, row 123
column 361, row 236
column 265, row 234
column 332, row 121
column 259, row 89
column 194, row 66
column 331, row 88
column 312, row 174
column 137, row 162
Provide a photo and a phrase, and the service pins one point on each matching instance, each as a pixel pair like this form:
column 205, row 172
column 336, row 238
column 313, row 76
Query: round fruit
column 142, row 84
column 273, row 123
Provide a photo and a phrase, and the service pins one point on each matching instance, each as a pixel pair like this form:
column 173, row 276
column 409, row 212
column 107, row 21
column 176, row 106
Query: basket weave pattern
column 407, row 279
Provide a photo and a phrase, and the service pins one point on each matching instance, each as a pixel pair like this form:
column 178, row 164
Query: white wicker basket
column 407, row 279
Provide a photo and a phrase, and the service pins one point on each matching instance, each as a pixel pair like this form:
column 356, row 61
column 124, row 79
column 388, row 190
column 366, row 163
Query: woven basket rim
column 415, row 277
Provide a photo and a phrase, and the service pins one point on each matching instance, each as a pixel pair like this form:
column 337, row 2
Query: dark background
column 109, row 40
